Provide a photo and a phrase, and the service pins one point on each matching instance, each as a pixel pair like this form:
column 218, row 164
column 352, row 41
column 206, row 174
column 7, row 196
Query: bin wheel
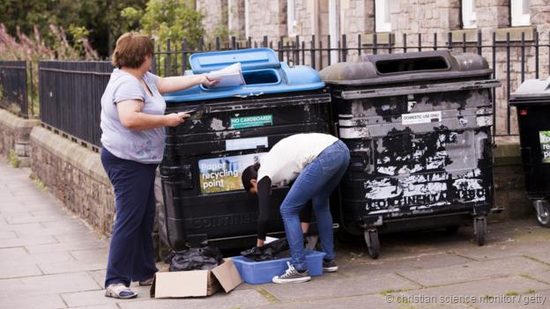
column 543, row 212
column 452, row 229
column 373, row 244
column 480, row 226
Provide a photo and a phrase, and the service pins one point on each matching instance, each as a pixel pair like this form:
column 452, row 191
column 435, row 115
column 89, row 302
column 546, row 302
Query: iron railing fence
column 13, row 87
column 70, row 94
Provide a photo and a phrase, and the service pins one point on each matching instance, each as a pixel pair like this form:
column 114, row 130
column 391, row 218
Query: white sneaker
column 119, row 290
column 291, row 275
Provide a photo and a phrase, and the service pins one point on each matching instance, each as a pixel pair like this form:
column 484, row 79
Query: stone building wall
column 235, row 21
column 412, row 18
column 267, row 18
column 215, row 15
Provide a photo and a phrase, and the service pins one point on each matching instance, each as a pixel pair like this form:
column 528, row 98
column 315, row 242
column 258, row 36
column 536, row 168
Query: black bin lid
column 532, row 92
column 407, row 67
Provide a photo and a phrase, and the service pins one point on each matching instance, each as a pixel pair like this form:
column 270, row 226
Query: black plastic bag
column 274, row 250
column 203, row 258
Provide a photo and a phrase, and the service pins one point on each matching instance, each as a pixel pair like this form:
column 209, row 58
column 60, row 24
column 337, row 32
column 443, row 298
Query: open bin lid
column 530, row 90
column 407, row 67
column 257, row 58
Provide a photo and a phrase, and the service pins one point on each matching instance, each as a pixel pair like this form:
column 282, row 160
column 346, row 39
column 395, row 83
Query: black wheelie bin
column 418, row 126
column 205, row 156
column 532, row 102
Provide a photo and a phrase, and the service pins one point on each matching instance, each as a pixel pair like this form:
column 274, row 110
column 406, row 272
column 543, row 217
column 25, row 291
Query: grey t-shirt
column 144, row 146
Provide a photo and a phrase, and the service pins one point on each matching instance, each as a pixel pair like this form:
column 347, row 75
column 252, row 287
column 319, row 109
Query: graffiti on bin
column 402, row 152
column 425, row 191
column 426, row 170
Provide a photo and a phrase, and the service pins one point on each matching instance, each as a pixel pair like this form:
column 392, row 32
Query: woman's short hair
column 131, row 50
column 250, row 173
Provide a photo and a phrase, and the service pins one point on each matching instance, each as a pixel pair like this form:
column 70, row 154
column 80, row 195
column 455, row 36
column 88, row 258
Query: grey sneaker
column 329, row 266
column 291, row 275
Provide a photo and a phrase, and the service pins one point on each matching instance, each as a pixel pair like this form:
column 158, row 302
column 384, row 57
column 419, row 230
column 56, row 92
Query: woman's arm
column 176, row 83
column 130, row 115
column 264, row 192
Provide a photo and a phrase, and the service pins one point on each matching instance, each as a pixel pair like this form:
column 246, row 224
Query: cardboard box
column 196, row 283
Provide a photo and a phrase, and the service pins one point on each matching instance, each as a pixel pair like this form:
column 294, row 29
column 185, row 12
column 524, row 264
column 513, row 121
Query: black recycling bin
column 532, row 102
column 204, row 158
column 418, row 126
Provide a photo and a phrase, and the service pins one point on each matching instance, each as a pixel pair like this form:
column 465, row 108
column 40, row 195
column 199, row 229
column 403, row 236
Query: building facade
column 478, row 25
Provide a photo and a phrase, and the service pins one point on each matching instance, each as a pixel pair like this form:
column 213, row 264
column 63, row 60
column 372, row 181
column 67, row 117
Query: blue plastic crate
column 262, row 272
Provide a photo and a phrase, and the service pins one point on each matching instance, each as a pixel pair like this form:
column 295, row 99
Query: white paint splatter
column 217, row 125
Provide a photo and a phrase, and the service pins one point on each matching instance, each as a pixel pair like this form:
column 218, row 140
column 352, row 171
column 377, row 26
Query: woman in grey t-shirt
column 132, row 125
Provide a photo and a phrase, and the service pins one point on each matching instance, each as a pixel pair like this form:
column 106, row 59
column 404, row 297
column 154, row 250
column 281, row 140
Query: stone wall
column 423, row 17
column 75, row 176
column 215, row 16
column 16, row 136
column 267, row 18
column 510, row 181
column 235, row 19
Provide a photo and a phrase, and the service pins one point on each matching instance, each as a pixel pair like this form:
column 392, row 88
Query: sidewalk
column 50, row 259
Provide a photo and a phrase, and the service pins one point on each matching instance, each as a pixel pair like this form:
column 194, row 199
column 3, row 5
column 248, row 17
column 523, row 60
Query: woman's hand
column 175, row 119
column 205, row 81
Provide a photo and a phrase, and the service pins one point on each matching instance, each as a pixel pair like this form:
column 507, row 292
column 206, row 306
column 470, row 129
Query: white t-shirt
column 291, row 155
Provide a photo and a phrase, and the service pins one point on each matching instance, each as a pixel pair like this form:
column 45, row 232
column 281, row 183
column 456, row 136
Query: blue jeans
column 131, row 254
column 316, row 182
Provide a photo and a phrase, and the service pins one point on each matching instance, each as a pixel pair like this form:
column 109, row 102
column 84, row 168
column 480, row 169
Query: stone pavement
column 50, row 259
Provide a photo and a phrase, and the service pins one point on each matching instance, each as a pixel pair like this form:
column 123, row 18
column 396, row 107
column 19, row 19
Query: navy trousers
column 131, row 254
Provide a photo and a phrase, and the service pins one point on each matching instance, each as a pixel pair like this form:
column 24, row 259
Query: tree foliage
column 101, row 22
column 174, row 20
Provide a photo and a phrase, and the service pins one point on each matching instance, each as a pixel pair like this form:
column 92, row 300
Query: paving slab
column 236, row 299
column 68, row 246
column 495, row 293
column 7, row 234
column 372, row 301
column 47, row 285
column 98, row 276
column 89, row 298
column 472, row 271
column 28, row 240
column 71, row 266
column 91, row 256
column 20, row 257
column 9, row 271
column 333, row 285
column 52, row 301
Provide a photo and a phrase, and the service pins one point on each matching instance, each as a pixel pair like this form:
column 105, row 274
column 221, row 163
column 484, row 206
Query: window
column 469, row 14
column 382, row 15
column 291, row 17
column 520, row 12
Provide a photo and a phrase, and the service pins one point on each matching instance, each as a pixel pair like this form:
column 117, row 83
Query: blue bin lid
column 254, row 62
column 257, row 58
